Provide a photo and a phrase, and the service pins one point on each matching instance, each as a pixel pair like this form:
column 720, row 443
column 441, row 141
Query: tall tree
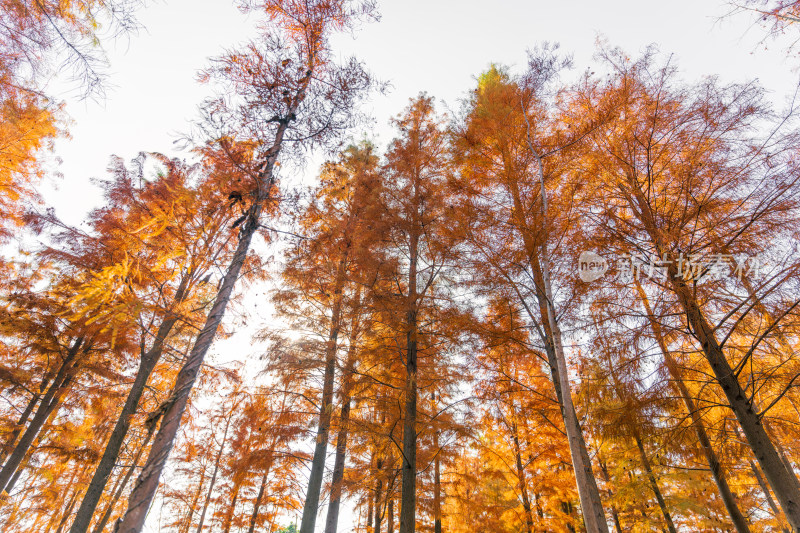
column 671, row 145
column 417, row 164
column 514, row 155
column 175, row 231
column 338, row 231
column 292, row 93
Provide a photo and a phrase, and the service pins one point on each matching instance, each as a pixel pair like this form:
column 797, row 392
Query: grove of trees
column 572, row 303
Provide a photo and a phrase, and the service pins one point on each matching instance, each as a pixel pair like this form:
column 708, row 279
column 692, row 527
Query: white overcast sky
column 433, row 46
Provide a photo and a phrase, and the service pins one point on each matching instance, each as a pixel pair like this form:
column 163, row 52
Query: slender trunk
column 437, row 487
column 643, row 459
column 589, row 494
column 654, row 484
column 614, row 512
column 48, row 404
column 23, row 419
column 148, row 362
column 195, row 499
column 390, row 516
column 311, row 505
column 568, row 509
column 13, row 481
column 259, row 496
column 257, row 504
column 67, row 512
column 147, row 484
column 408, row 496
column 237, row 485
column 764, row 487
column 214, row 475
column 765, row 490
column 124, row 482
column 535, row 503
column 50, row 414
column 121, row 478
column 369, row 512
column 36, row 526
column 332, row 519
column 728, row 499
column 539, row 510
column 781, row 479
column 523, row 482
column 241, row 473
column 54, row 516
column 378, row 496
column 409, row 475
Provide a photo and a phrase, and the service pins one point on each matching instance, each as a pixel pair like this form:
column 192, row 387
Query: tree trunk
column 260, row 496
column 147, row 484
column 257, row 504
column 523, row 483
column 409, row 475
column 539, row 511
column 124, row 482
column 67, row 512
column 23, row 419
column 378, row 496
column 390, row 516
column 50, row 414
column 408, row 496
column 782, row 480
column 13, row 481
column 369, row 512
column 728, row 499
column 237, row 485
column 332, row 519
column 54, row 516
column 437, row 488
column 121, row 479
column 589, row 494
column 195, row 499
column 214, row 475
column 48, row 404
column 148, row 362
column 614, row 512
column 765, row 490
column 654, row 484
column 311, row 505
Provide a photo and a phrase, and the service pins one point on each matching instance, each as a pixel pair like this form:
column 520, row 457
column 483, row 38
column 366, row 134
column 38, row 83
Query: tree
column 678, row 143
column 315, row 102
column 513, row 158
column 34, row 36
column 777, row 16
column 319, row 276
column 416, row 165
column 175, row 231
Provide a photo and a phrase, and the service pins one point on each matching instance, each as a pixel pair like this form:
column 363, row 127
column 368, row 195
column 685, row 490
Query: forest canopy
column 571, row 302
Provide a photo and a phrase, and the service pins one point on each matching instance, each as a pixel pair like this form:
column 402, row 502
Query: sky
column 434, row 46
